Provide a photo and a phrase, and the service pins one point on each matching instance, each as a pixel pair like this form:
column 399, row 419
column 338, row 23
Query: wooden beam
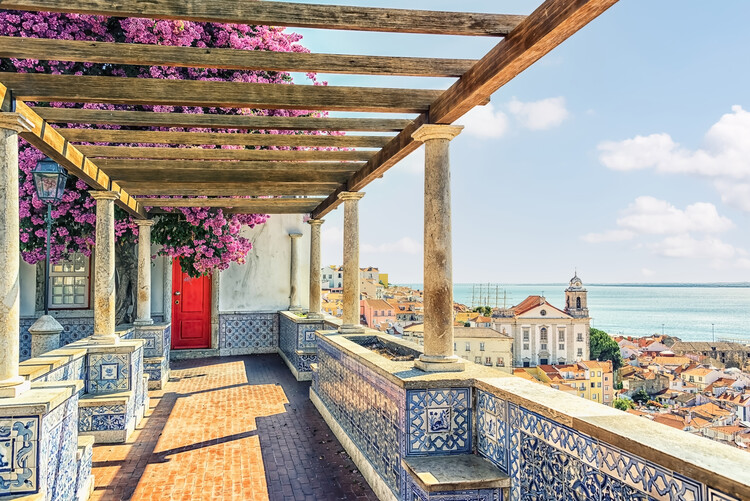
column 220, row 138
column 228, row 59
column 207, row 94
column 241, row 122
column 47, row 140
column 256, row 205
column 300, row 15
column 223, row 154
column 229, row 177
column 188, row 166
column 547, row 27
column 234, row 189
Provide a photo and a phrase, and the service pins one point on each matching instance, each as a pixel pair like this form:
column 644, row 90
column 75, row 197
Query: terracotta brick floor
column 229, row 428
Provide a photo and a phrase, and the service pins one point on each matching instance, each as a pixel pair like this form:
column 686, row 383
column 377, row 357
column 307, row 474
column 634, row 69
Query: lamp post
column 49, row 182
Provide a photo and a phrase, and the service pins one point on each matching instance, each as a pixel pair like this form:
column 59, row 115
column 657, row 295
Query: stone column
column 143, row 306
column 294, row 304
column 11, row 383
column 104, row 269
column 351, row 323
column 315, row 279
column 438, row 255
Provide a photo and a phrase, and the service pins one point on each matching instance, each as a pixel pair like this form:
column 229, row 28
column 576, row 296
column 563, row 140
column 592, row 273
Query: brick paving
column 229, row 428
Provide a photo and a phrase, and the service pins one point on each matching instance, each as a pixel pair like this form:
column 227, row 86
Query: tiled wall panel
column 248, row 333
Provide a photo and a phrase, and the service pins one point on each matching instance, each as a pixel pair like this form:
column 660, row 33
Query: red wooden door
column 191, row 310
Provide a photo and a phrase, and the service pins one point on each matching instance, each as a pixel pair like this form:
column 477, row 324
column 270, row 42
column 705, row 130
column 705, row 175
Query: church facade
column 544, row 334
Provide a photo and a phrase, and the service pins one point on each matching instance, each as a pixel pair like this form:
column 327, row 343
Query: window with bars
column 543, row 335
column 561, row 335
column 561, row 346
column 526, row 334
column 579, row 337
column 580, row 352
column 69, row 283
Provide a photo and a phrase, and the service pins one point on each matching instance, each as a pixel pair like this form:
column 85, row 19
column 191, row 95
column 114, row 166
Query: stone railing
column 399, row 424
column 298, row 342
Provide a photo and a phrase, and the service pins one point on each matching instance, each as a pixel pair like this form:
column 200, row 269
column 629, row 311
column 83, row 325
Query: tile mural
column 19, row 448
column 248, row 333
column 57, row 465
column 439, row 421
column 547, row 460
column 108, row 372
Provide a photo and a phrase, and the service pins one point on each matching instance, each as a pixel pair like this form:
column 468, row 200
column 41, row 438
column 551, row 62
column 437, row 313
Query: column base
column 148, row 321
column 11, row 388
column 440, row 364
column 295, row 308
column 351, row 329
column 103, row 339
column 315, row 316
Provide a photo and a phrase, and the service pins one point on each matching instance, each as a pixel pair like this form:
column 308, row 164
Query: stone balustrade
column 396, row 421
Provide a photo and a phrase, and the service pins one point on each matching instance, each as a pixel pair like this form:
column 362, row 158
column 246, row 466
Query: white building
column 543, row 334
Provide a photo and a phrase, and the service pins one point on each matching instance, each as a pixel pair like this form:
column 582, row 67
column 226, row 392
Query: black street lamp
column 49, row 181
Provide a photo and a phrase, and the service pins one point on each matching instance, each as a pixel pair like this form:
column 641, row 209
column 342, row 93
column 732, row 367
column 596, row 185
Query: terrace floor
column 229, row 428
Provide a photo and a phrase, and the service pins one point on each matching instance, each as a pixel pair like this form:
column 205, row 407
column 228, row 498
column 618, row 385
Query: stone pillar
column 294, row 304
column 315, row 279
column 104, row 269
column 143, row 306
column 351, row 323
column 11, row 383
column 438, row 256
column 45, row 335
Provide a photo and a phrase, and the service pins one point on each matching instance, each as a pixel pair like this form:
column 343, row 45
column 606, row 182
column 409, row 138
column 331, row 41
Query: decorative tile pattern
column 439, row 421
column 19, row 448
column 415, row 493
column 157, row 337
column 75, row 329
column 368, row 407
column 547, row 460
column 101, row 370
column 247, row 333
column 102, row 418
column 58, row 446
column 295, row 337
column 83, row 470
column 25, row 338
column 68, row 372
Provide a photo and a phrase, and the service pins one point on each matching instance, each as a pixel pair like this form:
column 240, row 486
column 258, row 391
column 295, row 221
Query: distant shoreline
column 731, row 285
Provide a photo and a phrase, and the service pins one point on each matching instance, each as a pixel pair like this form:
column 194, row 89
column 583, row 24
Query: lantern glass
column 49, row 180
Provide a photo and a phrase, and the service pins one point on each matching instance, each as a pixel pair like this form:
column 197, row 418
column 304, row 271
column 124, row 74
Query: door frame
column 214, row 322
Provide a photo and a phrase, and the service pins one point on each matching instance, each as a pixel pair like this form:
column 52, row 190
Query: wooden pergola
column 298, row 180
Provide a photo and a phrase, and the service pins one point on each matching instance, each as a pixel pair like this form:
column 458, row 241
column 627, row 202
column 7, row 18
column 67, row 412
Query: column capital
column 144, row 222
column 351, row 195
column 436, row 131
column 315, row 222
column 104, row 195
column 15, row 122
column 295, row 235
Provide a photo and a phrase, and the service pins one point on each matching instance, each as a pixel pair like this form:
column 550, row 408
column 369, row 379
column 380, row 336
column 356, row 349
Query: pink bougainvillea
column 204, row 239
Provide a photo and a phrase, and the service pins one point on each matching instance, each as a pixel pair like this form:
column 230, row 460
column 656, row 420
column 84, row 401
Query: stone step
column 439, row 476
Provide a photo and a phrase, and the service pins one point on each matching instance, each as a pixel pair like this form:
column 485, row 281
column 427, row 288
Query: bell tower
column 575, row 298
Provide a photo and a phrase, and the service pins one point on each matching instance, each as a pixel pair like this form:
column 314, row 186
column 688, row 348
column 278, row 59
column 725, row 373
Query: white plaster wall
column 27, row 283
column 262, row 283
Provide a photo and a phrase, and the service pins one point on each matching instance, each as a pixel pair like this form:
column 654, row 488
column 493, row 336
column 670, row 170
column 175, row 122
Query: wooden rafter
column 241, row 122
column 237, row 205
column 47, row 140
column 301, row 15
column 207, row 94
column 187, row 166
column 220, row 138
column 224, row 154
column 546, row 28
column 229, row 59
column 188, row 188
column 228, row 177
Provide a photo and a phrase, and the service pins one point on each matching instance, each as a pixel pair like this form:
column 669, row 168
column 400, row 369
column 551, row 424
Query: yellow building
column 383, row 278
column 589, row 379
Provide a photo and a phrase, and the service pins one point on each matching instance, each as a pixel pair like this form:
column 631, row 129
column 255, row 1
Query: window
column 606, row 388
column 580, row 352
column 560, row 346
column 692, row 379
column 500, row 362
column 375, row 313
column 526, row 346
column 599, row 385
column 468, row 346
column 561, row 336
column 481, row 346
column 606, row 378
column 69, row 283
column 593, row 385
column 543, row 335
column 598, row 373
column 594, row 396
column 488, row 361
column 525, row 334
column 579, row 337
column 477, row 360
column 543, row 346
column 543, row 361
column 454, row 346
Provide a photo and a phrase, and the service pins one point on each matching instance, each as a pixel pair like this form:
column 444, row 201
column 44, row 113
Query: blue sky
column 625, row 152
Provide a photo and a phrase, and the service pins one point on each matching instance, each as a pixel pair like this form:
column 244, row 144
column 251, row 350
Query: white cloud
column 540, row 115
column 405, row 245
column 485, row 122
column 609, row 236
column 725, row 157
column 685, row 246
column 649, row 215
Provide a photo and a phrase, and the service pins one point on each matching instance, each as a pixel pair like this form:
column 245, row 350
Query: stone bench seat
column 466, row 472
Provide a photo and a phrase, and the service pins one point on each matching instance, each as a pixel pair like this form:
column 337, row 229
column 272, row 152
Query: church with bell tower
column 575, row 298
